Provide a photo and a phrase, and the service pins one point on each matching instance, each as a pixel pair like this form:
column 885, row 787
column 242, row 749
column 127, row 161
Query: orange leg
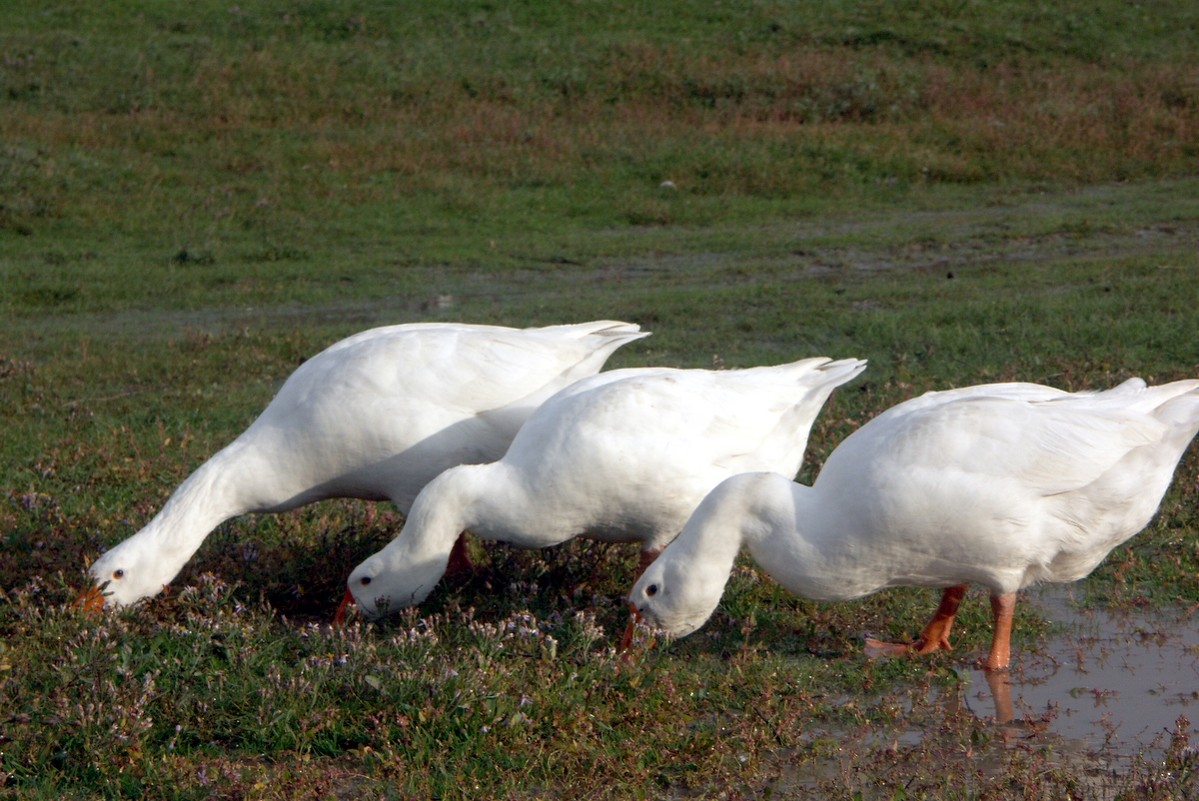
column 459, row 558
column 935, row 634
column 1004, row 608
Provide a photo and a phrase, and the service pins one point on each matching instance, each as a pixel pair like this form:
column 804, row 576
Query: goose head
column 125, row 575
column 681, row 589
column 407, row 569
column 384, row 582
column 666, row 600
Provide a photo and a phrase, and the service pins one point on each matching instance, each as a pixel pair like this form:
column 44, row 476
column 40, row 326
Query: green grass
column 195, row 199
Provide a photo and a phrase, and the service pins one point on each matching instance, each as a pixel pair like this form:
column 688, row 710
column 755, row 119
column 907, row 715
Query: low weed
column 195, row 199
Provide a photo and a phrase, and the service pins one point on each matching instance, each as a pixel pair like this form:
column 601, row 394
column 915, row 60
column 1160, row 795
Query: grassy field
column 194, row 199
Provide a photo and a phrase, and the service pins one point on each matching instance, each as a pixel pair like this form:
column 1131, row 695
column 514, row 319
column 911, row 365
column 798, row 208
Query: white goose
column 1004, row 485
column 624, row 456
column 374, row 416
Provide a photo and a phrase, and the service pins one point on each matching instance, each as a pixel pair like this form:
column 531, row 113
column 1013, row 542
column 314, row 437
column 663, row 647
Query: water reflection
column 1098, row 701
column 1114, row 683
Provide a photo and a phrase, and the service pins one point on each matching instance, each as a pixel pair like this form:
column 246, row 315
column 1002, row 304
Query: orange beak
column 339, row 617
column 634, row 618
column 90, row 600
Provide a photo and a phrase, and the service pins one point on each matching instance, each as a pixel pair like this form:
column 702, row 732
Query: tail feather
column 1182, row 411
column 606, row 328
column 842, row 370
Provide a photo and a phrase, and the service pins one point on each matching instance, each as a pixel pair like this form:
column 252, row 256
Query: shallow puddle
column 1101, row 695
column 1099, row 699
column 1111, row 683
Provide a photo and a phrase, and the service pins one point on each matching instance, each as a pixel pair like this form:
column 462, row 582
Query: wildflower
column 587, row 624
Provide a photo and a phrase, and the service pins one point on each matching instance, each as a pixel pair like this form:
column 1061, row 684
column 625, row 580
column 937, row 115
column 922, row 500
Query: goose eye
column 651, row 590
column 118, row 574
column 364, row 580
